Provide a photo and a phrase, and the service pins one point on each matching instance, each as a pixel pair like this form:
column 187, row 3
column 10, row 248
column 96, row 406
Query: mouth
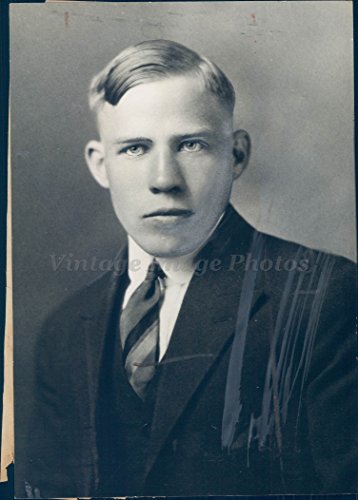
column 169, row 213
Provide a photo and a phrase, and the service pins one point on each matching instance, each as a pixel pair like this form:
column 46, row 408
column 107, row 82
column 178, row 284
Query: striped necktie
column 139, row 330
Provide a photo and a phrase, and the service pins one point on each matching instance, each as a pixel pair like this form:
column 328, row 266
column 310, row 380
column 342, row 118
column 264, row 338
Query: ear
column 94, row 154
column 241, row 151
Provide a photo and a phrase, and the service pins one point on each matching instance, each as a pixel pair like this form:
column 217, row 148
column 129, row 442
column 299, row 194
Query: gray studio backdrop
column 291, row 63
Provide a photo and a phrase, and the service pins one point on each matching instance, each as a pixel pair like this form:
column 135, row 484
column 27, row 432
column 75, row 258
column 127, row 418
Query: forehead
column 168, row 105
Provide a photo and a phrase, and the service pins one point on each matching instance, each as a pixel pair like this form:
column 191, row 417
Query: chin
column 167, row 248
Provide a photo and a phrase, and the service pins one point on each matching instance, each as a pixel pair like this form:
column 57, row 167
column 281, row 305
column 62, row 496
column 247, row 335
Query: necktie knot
column 154, row 271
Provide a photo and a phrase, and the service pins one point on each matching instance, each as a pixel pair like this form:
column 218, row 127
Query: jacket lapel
column 97, row 316
column 203, row 330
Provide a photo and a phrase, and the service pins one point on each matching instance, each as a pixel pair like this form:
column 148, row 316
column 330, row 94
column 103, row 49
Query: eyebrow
column 129, row 140
column 197, row 133
column 182, row 137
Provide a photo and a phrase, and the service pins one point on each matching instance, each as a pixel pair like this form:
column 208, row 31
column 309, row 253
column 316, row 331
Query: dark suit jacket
column 256, row 393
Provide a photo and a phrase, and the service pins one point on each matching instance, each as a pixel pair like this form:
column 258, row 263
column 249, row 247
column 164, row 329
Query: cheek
column 122, row 195
column 122, row 182
column 210, row 178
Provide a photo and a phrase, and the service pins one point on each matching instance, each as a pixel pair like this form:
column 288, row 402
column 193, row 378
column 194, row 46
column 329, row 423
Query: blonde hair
column 154, row 60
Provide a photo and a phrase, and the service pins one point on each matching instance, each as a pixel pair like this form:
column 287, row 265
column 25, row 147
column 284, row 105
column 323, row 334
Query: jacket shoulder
column 289, row 271
column 295, row 256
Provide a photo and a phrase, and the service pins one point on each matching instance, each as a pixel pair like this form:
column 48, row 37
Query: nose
column 165, row 173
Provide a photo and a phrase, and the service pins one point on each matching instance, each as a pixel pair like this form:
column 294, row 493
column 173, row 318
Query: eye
column 191, row 146
column 134, row 150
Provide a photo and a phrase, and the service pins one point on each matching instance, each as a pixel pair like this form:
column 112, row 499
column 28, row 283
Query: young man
column 213, row 359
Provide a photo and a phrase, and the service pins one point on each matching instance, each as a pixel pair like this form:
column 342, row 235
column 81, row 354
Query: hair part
column 155, row 60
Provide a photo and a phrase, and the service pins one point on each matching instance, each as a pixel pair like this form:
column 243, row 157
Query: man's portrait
column 184, row 277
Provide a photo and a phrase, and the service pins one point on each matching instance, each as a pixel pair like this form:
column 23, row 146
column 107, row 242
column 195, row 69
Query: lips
column 172, row 212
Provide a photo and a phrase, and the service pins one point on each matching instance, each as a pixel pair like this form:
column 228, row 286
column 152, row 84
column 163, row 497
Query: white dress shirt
column 178, row 270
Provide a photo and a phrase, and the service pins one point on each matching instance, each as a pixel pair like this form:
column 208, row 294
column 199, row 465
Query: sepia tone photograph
column 183, row 249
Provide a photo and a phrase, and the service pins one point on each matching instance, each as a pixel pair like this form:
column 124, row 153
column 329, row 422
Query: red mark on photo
column 67, row 18
column 253, row 18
